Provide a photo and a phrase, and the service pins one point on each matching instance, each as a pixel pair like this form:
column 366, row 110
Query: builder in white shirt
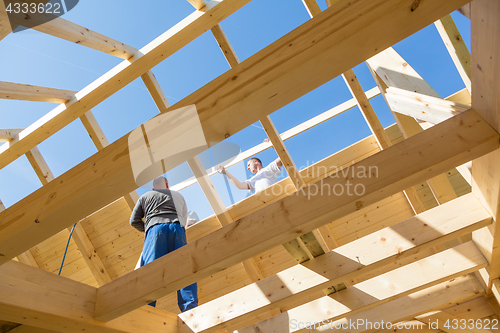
column 264, row 176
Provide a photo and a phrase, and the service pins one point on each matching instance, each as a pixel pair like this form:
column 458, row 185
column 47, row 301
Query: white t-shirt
column 264, row 178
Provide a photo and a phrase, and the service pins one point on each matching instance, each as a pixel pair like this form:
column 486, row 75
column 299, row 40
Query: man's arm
column 232, row 179
column 136, row 217
column 278, row 162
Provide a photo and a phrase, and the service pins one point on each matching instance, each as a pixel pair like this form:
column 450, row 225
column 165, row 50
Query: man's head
column 160, row 183
column 254, row 165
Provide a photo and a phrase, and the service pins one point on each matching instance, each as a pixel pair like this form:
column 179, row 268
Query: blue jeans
column 161, row 239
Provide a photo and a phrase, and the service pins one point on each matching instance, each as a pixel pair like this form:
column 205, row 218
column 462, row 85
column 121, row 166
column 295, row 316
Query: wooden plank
column 37, row 298
column 431, row 109
column 225, row 46
column 7, row 135
column 366, row 108
column 95, row 132
column 127, row 71
column 155, row 90
column 376, row 292
column 456, row 47
column 80, row 237
column 465, row 10
column 485, row 28
column 391, row 242
column 40, row 166
column 28, row 92
column 108, row 174
column 64, row 29
column 282, row 152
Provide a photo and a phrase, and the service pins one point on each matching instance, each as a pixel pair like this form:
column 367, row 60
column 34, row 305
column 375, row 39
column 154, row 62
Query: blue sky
column 34, row 58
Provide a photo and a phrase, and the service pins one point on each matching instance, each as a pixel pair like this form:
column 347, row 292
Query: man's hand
column 267, row 140
column 221, row 170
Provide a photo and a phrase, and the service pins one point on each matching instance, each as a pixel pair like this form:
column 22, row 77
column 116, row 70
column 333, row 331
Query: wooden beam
column 225, row 46
column 366, row 108
column 40, row 166
column 465, row 10
column 64, row 29
column 124, row 73
column 7, row 135
column 456, row 47
column 495, row 287
column 431, row 109
column 94, row 130
column 28, row 92
column 108, row 174
column 312, row 7
column 80, row 237
column 100, row 141
column 485, row 28
column 282, row 152
column 38, row 298
column 209, row 190
column 374, row 293
column 256, row 233
column 5, row 27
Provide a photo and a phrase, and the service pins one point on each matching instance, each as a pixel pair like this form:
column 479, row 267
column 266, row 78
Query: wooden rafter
column 486, row 85
column 28, row 92
column 421, row 161
column 427, row 108
column 456, row 47
column 79, row 235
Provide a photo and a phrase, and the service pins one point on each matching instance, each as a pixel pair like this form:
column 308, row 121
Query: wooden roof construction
column 418, row 247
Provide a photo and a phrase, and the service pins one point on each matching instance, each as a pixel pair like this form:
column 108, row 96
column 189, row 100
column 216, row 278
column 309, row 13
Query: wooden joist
column 28, row 92
column 456, row 47
column 255, row 233
column 428, row 108
column 374, row 293
column 486, row 86
column 363, row 258
column 38, row 298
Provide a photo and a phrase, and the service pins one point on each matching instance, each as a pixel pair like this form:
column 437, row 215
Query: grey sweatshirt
column 159, row 206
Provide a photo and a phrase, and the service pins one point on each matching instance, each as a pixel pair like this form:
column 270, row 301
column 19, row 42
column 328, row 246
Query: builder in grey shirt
column 165, row 214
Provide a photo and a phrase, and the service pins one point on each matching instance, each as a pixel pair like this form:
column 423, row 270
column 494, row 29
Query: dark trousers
column 164, row 238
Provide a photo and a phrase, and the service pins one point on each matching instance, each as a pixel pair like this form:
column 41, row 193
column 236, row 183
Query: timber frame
column 420, row 245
